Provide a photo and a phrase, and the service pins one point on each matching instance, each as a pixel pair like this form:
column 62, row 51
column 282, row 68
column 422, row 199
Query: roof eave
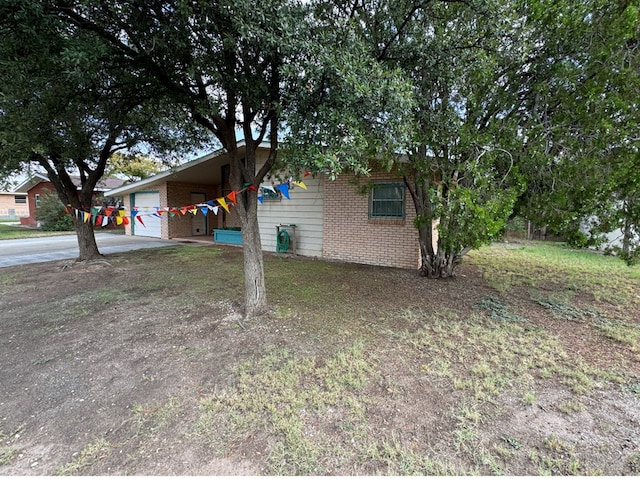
column 152, row 180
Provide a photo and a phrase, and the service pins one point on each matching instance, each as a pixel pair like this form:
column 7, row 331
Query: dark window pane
column 387, row 200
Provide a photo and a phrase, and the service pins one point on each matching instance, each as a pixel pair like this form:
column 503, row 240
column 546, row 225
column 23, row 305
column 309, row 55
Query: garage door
column 147, row 203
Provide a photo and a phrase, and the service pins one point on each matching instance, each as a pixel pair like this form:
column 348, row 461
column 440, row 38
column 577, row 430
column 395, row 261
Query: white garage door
column 147, row 204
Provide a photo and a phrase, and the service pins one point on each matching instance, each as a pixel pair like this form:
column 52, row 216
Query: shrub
column 52, row 214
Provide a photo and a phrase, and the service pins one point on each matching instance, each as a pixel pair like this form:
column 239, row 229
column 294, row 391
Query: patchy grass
column 559, row 458
column 498, row 309
column 398, row 460
column 149, row 418
column 8, row 449
column 285, row 396
column 604, row 277
column 485, row 358
column 90, row 454
column 357, row 370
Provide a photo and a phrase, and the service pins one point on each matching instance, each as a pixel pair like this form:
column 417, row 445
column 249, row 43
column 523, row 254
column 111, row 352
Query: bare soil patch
column 106, row 368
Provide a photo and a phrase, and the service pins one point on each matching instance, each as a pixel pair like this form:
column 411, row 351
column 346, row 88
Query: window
column 20, row 199
column 269, row 194
column 386, row 200
column 37, row 198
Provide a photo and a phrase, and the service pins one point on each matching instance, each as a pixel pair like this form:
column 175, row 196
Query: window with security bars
column 386, row 200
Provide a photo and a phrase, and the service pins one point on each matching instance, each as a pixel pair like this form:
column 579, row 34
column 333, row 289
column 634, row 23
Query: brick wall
column 179, row 194
column 164, row 224
column 350, row 235
column 10, row 209
column 42, row 188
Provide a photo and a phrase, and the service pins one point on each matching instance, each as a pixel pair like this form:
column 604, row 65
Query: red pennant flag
column 232, row 196
column 140, row 220
column 252, row 188
column 125, row 220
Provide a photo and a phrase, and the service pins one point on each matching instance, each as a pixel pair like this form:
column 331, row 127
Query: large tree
column 444, row 119
column 584, row 121
column 504, row 94
column 67, row 106
column 221, row 62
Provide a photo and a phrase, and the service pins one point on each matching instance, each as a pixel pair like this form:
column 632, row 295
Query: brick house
column 13, row 205
column 332, row 219
column 38, row 185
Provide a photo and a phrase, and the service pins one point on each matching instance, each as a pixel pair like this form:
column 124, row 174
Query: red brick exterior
column 42, row 188
column 351, row 236
column 179, row 194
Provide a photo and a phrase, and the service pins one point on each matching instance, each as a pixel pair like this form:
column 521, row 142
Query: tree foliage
column 585, row 157
column 434, row 106
column 222, row 64
column 519, row 105
column 68, row 105
column 52, row 215
column 134, row 167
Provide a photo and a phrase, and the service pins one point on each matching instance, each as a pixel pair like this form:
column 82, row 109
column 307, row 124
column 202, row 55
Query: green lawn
column 16, row 232
column 10, row 231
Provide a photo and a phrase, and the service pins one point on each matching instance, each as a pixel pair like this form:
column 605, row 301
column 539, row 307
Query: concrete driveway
column 52, row 248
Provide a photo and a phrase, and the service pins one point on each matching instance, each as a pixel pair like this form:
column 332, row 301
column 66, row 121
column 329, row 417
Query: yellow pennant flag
column 193, row 211
column 121, row 213
column 118, row 220
column 86, row 216
column 300, row 184
column 223, row 203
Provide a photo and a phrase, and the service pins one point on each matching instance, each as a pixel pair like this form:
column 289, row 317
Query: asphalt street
column 52, row 248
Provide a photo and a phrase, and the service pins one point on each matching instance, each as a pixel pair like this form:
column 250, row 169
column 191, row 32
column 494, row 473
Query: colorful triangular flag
column 284, row 189
column 223, row 203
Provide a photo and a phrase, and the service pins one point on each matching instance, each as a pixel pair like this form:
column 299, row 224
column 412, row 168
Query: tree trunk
column 243, row 171
column 86, row 240
column 435, row 263
column 254, row 285
column 627, row 234
column 439, row 265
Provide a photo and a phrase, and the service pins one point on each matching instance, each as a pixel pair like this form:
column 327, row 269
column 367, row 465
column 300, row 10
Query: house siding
column 304, row 209
column 351, row 236
column 332, row 219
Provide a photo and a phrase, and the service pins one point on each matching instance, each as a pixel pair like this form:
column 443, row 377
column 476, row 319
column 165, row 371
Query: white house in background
column 612, row 239
column 332, row 220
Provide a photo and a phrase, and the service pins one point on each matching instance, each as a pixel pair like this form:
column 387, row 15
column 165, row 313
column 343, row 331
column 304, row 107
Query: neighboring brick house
column 39, row 185
column 332, row 219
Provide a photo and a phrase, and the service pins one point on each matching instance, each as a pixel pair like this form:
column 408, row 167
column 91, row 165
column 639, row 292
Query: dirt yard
column 141, row 364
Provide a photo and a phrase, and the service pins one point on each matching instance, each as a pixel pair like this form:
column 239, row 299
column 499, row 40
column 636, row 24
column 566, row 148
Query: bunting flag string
column 102, row 216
